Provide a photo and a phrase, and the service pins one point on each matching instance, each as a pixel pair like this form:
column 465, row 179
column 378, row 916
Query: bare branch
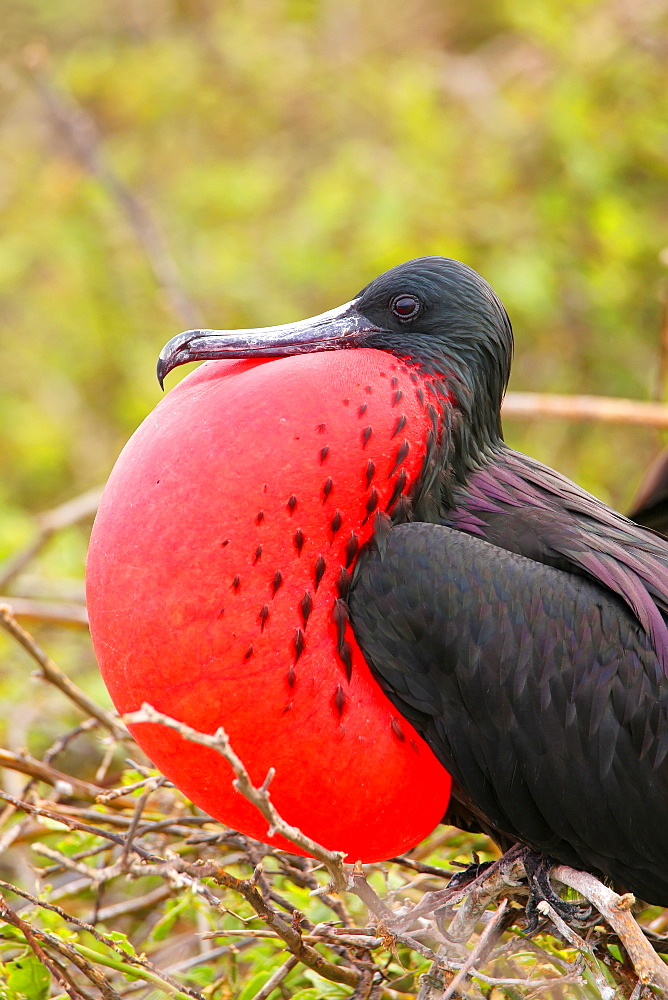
column 54, row 612
column 276, row 979
column 8, row 915
column 65, row 783
column 48, row 523
column 60, row 815
column 79, row 131
column 54, row 675
column 608, row 409
column 321, row 933
column 484, row 945
column 292, row 937
column 132, row 960
column 116, row 793
column 616, row 910
column 605, row 990
column 259, row 797
column 136, row 817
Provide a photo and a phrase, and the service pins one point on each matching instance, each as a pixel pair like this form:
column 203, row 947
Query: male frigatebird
column 327, row 548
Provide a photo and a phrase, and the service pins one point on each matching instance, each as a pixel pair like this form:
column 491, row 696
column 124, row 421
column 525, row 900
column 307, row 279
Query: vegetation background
column 242, row 162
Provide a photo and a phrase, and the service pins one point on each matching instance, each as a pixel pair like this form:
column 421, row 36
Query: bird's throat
column 218, row 572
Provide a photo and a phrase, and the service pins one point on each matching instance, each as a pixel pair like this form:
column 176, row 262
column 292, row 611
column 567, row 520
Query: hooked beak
column 329, row 331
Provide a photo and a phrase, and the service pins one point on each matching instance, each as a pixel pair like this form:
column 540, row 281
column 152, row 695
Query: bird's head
column 434, row 313
column 440, row 315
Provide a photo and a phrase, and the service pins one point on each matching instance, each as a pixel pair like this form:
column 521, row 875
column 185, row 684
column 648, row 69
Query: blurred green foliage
column 290, row 150
column 240, row 162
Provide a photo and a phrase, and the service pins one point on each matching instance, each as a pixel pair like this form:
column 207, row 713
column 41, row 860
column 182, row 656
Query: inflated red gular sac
column 219, row 567
column 320, row 541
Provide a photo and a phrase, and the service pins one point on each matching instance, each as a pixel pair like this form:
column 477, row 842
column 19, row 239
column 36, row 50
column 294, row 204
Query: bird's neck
column 466, row 438
column 462, row 389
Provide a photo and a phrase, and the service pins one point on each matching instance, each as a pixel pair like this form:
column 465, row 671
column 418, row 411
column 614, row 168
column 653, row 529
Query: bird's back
column 527, row 645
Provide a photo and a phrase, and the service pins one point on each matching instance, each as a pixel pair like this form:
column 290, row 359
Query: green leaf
column 122, row 939
column 254, row 984
column 173, row 909
column 27, row 977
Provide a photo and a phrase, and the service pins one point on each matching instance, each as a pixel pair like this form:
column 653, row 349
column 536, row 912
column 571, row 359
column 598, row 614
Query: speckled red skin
column 195, row 524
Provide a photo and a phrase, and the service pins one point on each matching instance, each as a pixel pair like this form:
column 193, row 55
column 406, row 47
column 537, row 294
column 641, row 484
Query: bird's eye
column 405, row 306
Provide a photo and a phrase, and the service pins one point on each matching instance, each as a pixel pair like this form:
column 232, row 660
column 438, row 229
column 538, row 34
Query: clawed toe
column 538, row 867
column 468, row 874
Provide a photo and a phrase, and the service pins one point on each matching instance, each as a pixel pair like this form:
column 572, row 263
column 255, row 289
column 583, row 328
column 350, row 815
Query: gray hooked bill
column 342, row 327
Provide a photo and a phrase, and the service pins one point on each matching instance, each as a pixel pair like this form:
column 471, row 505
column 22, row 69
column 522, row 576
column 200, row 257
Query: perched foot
column 468, row 873
column 538, row 867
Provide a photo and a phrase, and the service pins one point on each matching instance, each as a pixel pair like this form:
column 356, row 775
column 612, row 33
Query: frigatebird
column 503, row 626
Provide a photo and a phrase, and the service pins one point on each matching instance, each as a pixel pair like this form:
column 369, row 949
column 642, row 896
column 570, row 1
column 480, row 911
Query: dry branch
column 54, row 675
column 131, row 960
column 259, row 797
column 48, row 523
column 321, row 934
column 79, row 131
column 605, row 990
column 8, row 915
column 276, row 979
column 52, row 612
column 500, row 880
column 286, row 931
column 66, row 784
column 491, row 934
column 60, row 815
column 616, row 910
column 607, row 409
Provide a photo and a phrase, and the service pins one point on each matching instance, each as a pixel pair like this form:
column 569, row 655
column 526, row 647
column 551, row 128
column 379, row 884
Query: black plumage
column 537, row 690
column 517, row 621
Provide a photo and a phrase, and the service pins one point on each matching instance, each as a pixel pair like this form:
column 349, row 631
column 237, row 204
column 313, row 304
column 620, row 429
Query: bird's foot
column 538, row 867
column 469, row 873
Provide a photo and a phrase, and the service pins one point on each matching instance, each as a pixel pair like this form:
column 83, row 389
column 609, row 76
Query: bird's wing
column 521, row 505
column 535, row 688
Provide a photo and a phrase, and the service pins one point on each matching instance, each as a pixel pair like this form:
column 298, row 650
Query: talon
column 468, row 874
column 506, row 865
column 538, row 867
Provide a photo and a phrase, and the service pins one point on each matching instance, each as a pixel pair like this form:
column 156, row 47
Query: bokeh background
column 253, row 161
column 165, row 163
